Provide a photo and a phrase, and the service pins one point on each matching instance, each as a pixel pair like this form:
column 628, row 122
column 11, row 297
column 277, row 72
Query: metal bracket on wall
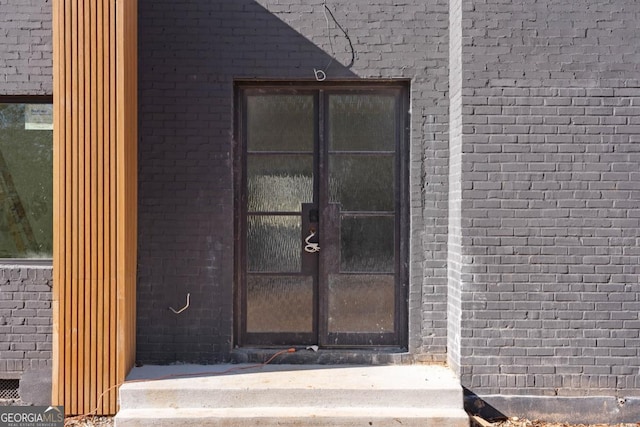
column 183, row 308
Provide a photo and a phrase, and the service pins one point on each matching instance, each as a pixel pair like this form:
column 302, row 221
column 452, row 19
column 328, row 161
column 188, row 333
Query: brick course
column 25, row 319
column 550, row 200
column 190, row 54
column 26, row 64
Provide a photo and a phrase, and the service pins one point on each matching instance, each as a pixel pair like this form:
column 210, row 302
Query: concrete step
column 331, row 395
column 299, row 416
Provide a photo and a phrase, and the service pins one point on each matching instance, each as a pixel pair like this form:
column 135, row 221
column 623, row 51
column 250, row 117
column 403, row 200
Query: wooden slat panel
column 72, row 344
column 95, row 202
column 58, row 199
column 81, row 225
column 100, row 325
column 107, row 199
column 113, row 243
column 93, row 191
column 66, row 146
column 127, row 160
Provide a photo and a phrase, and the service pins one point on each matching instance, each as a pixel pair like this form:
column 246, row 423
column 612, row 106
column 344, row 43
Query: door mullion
column 323, row 178
column 402, row 248
column 241, row 241
column 316, row 204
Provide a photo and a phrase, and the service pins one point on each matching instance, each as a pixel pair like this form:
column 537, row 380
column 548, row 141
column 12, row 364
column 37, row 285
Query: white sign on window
column 38, row 117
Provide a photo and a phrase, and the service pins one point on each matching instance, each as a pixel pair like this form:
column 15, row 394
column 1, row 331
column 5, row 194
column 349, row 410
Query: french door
column 321, row 225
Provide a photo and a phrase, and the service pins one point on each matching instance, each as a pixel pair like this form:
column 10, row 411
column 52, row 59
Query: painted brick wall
column 25, row 319
column 550, row 293
column 543, row 217
column 454, row 244
column 190, row 54
column 25, row 47
column 25, row 291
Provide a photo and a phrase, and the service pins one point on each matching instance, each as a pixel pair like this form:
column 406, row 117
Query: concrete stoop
column 291, row 395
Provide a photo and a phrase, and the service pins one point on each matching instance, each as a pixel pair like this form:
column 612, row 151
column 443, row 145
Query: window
column 26, row 179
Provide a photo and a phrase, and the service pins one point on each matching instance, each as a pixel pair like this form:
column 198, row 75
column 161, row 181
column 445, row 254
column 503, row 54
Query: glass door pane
column 362, row 122
column 362, row 181
column 273, row 243
column 279, row 292
column 280, row 122
column 367, row 244
column 362, row 185
column 279, row 183
column 279, row 304
column 361, row 303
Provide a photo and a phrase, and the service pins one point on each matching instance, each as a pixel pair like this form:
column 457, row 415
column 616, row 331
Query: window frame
column 403, row 198
column 27, row 99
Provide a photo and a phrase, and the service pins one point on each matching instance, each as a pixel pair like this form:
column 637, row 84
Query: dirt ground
column 512, row 422
column 517, row 422
column 89, row 422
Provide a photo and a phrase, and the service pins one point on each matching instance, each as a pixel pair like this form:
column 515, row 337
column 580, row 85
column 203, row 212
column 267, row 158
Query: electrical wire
column 353, row 51
column 321, row 75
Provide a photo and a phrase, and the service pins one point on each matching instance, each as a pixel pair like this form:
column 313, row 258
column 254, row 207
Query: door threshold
column 323, row 356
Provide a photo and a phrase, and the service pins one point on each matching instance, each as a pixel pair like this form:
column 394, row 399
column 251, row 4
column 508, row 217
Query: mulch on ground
column 89, row 421
column 511, row 422
column 520, row 422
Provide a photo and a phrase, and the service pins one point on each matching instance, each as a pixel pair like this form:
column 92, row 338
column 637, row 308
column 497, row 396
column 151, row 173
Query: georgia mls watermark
column 31, row 416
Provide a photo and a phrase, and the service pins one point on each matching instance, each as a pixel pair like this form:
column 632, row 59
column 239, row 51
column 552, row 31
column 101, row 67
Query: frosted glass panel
column 273, row 243
column 362, row 183
column 367, row 244
column 280, row 123
column 363, row 304
column 279, row 304
column 279, row 183
column 362, row 122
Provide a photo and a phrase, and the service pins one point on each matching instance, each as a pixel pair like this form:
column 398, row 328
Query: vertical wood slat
column 95, row 201
column 65, row 280
column 73, row 171
column 112, row 198
column 127, row 117
column 58, row 194
column 93, row 123
column 99, row 202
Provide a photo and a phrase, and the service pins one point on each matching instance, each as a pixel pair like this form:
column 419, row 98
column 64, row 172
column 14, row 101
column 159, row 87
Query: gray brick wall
column 25, row 47
column 534, row 209
column 455, row 186
column 25, row 291
column 190, row 54
column 25, row 319
column 550, row 197
column 426, row 34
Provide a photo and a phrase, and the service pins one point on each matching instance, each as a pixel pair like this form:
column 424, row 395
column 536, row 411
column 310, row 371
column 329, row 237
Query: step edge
column 405, row 400
column 256, row 412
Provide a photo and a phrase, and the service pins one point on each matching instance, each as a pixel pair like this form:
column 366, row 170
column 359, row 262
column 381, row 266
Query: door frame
column 402, row 198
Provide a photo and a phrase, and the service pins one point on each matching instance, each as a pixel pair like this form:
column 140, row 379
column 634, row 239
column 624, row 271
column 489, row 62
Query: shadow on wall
column 474, row 405
column 215, row 41
column 190, row 52
column 575, row 409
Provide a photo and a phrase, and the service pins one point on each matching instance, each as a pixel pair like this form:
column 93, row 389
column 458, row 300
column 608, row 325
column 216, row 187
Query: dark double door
column 321, row 224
